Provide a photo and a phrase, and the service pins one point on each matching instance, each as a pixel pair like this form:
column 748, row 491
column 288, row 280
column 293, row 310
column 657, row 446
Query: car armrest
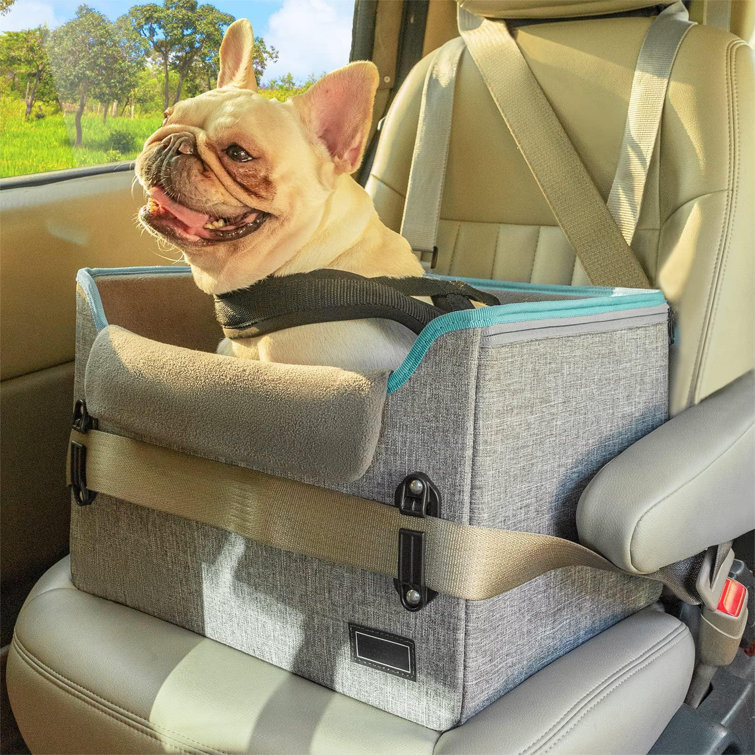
column 682, row 488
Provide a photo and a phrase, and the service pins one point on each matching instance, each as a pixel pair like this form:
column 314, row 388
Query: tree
column 122, row 77
column 22, row 53
column 287, row 86
column 184, row 37
column 89, row 60
column 204, row 74
column 5, row 6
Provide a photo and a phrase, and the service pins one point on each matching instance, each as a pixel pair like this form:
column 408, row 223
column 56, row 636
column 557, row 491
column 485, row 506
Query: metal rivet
column 416, row 487
column 387, row 79
column 413, row 597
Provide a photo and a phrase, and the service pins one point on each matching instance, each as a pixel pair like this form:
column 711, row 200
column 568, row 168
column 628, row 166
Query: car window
column 86, row 85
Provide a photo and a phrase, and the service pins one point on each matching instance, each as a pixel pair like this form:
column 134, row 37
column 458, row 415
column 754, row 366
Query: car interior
column 128, row 628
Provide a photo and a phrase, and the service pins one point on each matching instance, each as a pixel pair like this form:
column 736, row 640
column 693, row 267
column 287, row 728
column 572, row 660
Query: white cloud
column 311, row 36
column 26, row 14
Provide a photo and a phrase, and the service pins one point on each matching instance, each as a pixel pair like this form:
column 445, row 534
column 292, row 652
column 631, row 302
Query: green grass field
column 37, row 145
column 40, row 144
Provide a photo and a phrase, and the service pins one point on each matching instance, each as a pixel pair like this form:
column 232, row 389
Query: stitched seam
column 595, row 689
column 134, row 726
column 723, row 237
column 495, row 251
column 658, row 174
column 610, row 691
column 48, row 592
column 696, row 198
column 534, row 255
column 573, row 269
column 475, row 408
column 387, row 185
column 453, row 249
column 681, row 487
column 82, row 690
column 734, row 167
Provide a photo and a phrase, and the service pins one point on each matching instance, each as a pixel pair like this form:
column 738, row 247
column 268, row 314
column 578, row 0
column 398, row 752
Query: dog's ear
column 236, row 56
column 338, row 111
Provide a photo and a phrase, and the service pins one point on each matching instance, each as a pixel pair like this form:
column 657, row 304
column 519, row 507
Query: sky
column 312, row 36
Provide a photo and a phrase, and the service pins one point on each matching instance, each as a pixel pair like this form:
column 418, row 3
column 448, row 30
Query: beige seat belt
column 474, row 563
column 424, row 192
column 649, row 86
column 427, row 174
column 422, row 207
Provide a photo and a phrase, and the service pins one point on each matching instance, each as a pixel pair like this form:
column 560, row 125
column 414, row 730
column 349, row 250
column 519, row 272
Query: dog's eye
column 238, row 154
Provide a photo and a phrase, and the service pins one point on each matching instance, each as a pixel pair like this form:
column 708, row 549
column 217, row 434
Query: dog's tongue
column 192, row 219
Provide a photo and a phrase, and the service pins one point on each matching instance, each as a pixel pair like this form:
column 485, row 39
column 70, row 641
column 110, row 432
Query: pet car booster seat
column 344, row 483
column 267, row 506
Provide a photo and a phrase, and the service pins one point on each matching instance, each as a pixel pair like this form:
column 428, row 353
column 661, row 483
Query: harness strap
column 276, row 303
column 464, row 561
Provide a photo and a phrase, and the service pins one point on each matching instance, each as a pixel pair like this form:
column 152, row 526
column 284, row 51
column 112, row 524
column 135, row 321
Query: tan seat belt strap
column 474, row 563
column 424, row 192
column 649, row 86
column 557, row 168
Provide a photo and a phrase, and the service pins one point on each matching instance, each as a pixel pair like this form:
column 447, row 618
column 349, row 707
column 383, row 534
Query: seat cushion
column 89, row 675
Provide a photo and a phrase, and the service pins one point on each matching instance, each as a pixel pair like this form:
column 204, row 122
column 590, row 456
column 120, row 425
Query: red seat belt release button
column 732, row 598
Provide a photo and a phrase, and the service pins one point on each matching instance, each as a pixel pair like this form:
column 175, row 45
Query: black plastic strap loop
column 416, row 496
column 82, row 422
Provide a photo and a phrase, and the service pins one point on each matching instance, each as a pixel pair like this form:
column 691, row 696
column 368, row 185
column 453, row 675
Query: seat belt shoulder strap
column 554, row 163
column 649, row 86
column 424, row 193
column 606, row 256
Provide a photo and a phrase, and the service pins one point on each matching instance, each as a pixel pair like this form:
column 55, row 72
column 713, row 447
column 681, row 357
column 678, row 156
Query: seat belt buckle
column 724, row 615
column 422, row 255
column 733, row 598
column 416, row 496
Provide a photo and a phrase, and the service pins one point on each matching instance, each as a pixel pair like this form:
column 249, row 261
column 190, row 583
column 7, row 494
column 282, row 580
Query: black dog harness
column 276, row 303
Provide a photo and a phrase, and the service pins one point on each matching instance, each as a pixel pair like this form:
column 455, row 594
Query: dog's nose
column 179, row 142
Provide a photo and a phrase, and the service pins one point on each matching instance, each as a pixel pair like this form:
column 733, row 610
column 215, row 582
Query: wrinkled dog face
column 236, row 181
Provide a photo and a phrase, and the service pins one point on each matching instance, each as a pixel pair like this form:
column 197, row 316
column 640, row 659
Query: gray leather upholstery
column 88, row 675
column 695, row 488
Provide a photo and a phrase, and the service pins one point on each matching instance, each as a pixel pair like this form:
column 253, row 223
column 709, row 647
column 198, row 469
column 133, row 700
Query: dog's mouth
column 180, row 223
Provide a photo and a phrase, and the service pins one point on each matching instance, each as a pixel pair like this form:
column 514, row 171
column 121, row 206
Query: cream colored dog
column 248, row 187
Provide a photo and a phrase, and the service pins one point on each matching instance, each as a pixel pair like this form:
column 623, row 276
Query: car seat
column 89, row 675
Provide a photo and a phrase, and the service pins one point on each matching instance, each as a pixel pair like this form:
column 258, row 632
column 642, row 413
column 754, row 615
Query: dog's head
column 239, row 182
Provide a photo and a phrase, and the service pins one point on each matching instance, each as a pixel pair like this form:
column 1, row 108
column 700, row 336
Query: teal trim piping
column 541, row 310
column 543, row 288
column 86, row 279
column 97, row 272
column 598, row 301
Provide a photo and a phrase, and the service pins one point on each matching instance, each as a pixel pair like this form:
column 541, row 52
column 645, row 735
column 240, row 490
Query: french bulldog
column 248, row 187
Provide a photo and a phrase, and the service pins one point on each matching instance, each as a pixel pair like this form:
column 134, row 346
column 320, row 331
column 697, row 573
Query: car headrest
column 553, row 8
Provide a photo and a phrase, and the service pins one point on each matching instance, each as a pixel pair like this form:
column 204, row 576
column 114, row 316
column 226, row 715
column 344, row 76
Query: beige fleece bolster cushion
column 318, row 423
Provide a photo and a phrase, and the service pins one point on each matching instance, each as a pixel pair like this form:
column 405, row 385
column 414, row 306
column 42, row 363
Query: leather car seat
column 88, row 675
column 696, row 225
